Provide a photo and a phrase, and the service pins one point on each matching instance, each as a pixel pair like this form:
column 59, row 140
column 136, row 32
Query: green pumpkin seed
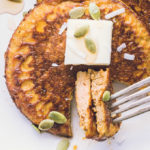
column 80, row 32
column 57, row 117
column 46, row 124
column 36, row 128
column 63, row 144
column 90, row 45
column 17, row 1
column 94, row 11
column 106, row 96
column 76, row 12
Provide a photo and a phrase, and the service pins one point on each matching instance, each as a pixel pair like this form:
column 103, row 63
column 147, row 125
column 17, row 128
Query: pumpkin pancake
column 37, row 87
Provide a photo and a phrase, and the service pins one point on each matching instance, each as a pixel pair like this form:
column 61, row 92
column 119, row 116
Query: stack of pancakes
column 38, row 87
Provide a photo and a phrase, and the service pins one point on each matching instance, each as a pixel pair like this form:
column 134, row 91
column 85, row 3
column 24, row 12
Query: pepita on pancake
column 46, row 124
column 76, row 12
column 94, row 11
column 57, row 117
column 106, row 96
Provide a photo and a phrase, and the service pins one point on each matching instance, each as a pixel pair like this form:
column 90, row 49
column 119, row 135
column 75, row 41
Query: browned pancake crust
column 142, row 8
column 36, row 87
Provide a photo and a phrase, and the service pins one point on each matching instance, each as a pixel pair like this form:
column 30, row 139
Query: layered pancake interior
column 94, row 113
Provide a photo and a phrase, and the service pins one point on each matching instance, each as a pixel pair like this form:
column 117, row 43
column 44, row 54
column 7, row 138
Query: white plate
column 16, row 132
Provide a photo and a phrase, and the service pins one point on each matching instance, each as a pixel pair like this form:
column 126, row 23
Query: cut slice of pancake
column 36, row 46
column 94, row 114
column 84, row 104
column 100, row 82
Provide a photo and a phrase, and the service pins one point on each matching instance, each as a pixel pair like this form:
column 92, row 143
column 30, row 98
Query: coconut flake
column 71, row 67
column 67, row 99
column 63, row 28
column 54, row 65
column 130, row 43
column 129, row 56
column 121, row 47
column 115, row 13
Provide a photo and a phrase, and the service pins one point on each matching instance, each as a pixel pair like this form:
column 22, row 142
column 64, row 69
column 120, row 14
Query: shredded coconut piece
column 67, row 99
column 129, row 56
column 121, row 47
column 130, row 43
column 63, row 28
column 71, row 67
column 115, row 13
column 54, row 65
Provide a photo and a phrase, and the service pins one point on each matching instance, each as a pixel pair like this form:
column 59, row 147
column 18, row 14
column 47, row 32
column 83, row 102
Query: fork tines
column 134, row 100
column 136, row 113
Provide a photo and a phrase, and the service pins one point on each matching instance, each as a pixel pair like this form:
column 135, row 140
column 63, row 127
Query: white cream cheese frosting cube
column 100, row 31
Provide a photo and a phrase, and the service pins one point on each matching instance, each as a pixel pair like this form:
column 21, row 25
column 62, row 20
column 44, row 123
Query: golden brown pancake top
column 142, row 8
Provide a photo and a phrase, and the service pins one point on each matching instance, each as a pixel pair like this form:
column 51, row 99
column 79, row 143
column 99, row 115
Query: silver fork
column 137, row 98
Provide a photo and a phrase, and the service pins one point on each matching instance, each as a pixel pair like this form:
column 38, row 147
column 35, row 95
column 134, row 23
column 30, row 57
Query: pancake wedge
column 100, row 82
column 37, row 87
column 84, row 104
column 94, row 114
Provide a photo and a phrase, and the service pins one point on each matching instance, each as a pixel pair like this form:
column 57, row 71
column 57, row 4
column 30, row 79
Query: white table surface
column 16, row 132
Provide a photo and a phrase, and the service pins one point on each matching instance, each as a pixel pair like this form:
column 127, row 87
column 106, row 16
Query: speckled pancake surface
column 37, row 87
column 142, row 8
